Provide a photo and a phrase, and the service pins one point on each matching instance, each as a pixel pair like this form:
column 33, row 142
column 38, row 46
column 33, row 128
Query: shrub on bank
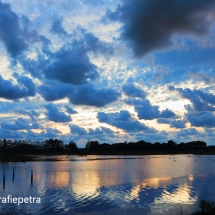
column 207, row 208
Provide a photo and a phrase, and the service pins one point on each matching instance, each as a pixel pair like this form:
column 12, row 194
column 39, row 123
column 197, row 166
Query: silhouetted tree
column 71, row 146
column 171, row 145
column 197, row 145
column 92, row 146
column 53, row 145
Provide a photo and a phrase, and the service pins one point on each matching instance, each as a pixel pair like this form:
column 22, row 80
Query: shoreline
column 9, row 157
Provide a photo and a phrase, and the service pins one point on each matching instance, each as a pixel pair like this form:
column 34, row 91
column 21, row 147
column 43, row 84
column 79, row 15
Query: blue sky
column 106, row 70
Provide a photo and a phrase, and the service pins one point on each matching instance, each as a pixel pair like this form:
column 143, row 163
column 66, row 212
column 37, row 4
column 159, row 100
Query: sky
column 108, row 70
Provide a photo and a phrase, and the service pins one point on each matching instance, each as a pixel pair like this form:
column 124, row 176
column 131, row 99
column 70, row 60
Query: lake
column 146, row 184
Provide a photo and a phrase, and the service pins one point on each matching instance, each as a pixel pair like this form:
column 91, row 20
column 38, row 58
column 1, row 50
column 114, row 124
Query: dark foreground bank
column 206, row 208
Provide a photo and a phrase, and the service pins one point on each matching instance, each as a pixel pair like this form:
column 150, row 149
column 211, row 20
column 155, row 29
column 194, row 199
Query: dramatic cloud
column 88, row 95
column 187, row 132
column 55, row 115
column 94, row 45
column 202, row 119
column 167, row 114
column 149, row 25
column 71, row 65
column 19, row 124
column 17, row 33
column 201, row 101
column 131, row 90
column 70, row 110
column 75, row 129
column 172, row 123
column 57, row 27
column 101, row 131
column 10, row 91
column 177, row 124
column 55, row 91
column 122, row 120
column 147, row 111
column 79, row 95
column 10, row 31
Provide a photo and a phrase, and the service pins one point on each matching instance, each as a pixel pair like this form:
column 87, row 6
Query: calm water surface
column 162, row 184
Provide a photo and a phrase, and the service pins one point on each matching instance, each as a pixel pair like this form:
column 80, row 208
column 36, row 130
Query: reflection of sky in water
column 90, row 184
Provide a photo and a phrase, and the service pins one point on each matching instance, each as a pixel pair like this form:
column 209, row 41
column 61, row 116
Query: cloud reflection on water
column 155, row 183
column 147, row 184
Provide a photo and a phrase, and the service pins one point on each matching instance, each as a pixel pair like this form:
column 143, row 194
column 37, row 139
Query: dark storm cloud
column 100, row 131
column 94, row 45
column 133, row 91
column 12, row 92
column 70, row 110
column 144, row 109
column 173, row 123
column 17, row 33
column 35, row 67
column 20, row 124
column 71, row 65
column 55, row 115
column 201, row 101
column 78, row 95
column 10, row 31
column 177, row 124
column 186, row 132
column 147, row 111
column 57, row 27
column 27, row 82
column 122, row 120
column 88, row 95
column 202, row 119
column 166, row 114
column 30, row 34
column 55, row 91
column 75, row 129
column 149, row 24
column 209, row 132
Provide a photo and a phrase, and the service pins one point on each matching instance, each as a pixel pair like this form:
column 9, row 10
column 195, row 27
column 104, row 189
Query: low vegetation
column 206, row 208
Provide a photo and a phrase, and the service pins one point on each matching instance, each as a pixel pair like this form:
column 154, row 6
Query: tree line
column 57, row 146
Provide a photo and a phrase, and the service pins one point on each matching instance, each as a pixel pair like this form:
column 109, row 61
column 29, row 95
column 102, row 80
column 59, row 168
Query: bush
column 207, row 208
